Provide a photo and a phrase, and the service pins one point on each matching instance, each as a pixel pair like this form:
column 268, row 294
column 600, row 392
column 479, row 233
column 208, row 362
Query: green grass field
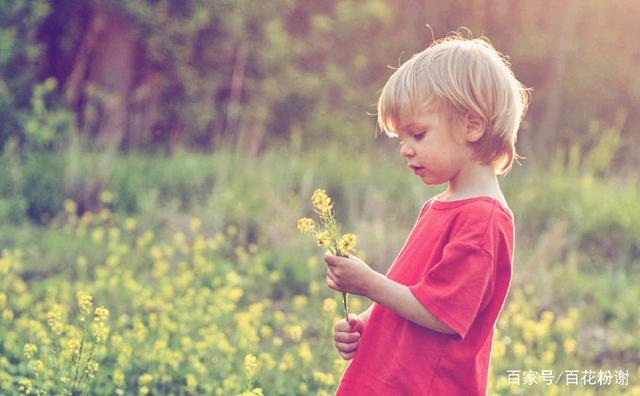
column 210, row 288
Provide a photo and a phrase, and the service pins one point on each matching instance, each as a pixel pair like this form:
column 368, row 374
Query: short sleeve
column 454, row 288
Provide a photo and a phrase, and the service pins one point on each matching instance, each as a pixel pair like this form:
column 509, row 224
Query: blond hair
column 460, row 75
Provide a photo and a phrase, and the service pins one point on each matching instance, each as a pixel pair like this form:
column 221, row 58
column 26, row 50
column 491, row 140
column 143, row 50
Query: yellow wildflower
column 85, row 302
column 54, row 320
column 347, row 244
column 569, row 345
column 195, row 224
column 519, row 349
column 250, row 364
column 295, row 332
column 306, row 225
column 321, row 201
column 25, row 386
column 106, row 197
column 145, row 379
column 130, row 224
column 70, row 206
column 322, row 238
column 101, row 314
column 29, row 350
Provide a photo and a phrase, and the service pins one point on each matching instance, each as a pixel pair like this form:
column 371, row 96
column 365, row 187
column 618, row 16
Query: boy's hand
column 348, row 274
column 346, row 336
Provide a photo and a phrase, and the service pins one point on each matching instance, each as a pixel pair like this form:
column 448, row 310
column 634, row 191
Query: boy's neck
column 474, row 180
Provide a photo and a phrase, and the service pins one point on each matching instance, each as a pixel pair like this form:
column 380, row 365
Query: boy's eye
column 419, row 135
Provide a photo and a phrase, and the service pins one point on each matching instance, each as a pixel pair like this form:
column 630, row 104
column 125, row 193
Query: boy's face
column 434, row 144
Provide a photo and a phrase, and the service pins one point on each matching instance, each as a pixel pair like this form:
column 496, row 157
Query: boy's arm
column 354, row 276
column 400, row 299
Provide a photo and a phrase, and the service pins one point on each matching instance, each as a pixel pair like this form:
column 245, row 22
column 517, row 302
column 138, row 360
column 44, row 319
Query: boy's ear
column 475, row 126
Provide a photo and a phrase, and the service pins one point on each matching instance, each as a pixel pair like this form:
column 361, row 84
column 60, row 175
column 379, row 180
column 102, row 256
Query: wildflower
column 295, row 332
column 70, row 206
column 347, row 244
column 97, row 235
column 118, row 377
column 304, row 350
column 100, row 331
column 329, row 306
column 130, row 224
column 192, row 382
column 145, row 379
column 106, row 197
column 29, row 350
column 101, row 314
column 85, row 302
column 54, row 320
column 25, row 386
column 569, row 345
column 519, row 349
column 250, row 364
column 38, row 365
column 329, row 236
column 306, row 225
column 322, row 238
column 321, row 201
column 195, row 224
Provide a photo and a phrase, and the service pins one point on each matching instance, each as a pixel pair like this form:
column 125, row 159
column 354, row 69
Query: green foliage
column 43, row 186
column 47, row 126
column 20, row 55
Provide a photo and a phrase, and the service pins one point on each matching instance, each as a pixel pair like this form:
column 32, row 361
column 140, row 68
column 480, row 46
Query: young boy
column 456, row 108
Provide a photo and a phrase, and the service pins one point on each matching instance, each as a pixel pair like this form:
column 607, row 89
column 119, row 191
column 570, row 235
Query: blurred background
column 146, row 129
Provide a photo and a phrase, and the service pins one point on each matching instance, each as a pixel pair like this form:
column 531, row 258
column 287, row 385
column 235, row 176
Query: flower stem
column 346, row 307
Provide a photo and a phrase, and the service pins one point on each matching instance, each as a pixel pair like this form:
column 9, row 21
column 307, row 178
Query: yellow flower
column 70, row 206
column 106, row 197
column 192, row 382
column 130, row 224
column 37, row 366
column 306, row 225
column 569, row 345
column 519, row 349
column 101, row 314
column 118, row 377
column 250, row 364
column 25, row 386
column 54, row 320
column 548, row 357
column 29, row 350
column 329, row 306
column 347, row 244
column 321, row 201
column 100, row 331
column 547, row 316
column 295, row 332
column 85, row 301
column 322, row 238
column 195, row 224
column 145, row 379
column 304, row 350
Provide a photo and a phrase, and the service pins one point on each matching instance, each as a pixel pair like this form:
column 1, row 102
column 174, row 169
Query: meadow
column 188, row 276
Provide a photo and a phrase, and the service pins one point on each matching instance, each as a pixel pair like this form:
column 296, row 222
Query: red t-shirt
column 457, row 263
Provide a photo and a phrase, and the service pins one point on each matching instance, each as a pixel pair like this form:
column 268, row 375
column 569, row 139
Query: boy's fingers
column 331, row 283
column 347, row 356
column 342, row 327
column 355, row 324
column 329, row 258
column 346, row 348
column 346, row 337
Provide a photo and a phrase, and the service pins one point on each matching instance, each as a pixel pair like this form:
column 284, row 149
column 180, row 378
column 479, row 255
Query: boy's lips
column 416, row 168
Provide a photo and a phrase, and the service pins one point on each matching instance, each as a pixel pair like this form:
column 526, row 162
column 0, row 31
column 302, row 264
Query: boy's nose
column 406, row 151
